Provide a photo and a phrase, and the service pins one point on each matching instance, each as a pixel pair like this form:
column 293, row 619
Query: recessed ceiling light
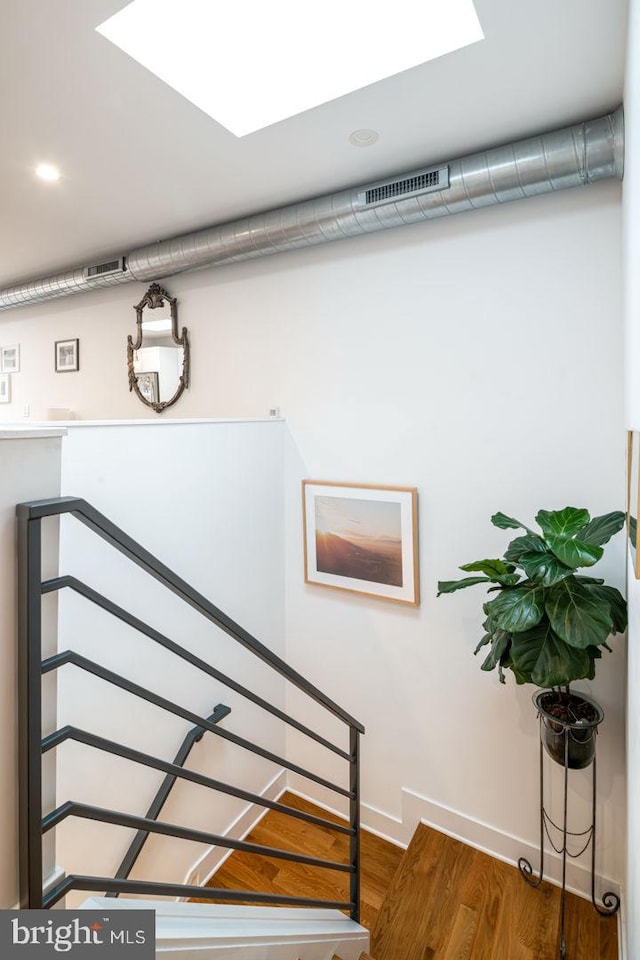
column 249, row 64
column 363, row 138
column 45, row 171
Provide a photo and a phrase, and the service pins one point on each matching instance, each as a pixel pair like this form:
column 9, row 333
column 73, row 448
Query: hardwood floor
column 441, row 900
column 461, row 904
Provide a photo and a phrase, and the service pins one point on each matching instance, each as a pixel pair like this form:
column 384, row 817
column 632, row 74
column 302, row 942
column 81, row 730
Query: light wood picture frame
column 362, row 538
column 633, row 497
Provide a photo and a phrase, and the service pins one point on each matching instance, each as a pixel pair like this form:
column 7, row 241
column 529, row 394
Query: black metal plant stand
column 610, row 901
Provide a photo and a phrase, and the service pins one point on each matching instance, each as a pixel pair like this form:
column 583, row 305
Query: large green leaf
column 508, row 523
column 496, row 570
column 539, row 656
column 617, row 606
column 595, row 653
column 498, row 647
column 530, row 543
column 633, row 531
column 562, row 523
column 497, row 567
column 601, row 529
column 574, row 553
column 578, row 614
column 450, row 586
column 489, row 624
column 545, row 568
column 517, row 608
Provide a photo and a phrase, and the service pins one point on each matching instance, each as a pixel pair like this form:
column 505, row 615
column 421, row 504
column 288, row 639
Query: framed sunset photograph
column 362, row 538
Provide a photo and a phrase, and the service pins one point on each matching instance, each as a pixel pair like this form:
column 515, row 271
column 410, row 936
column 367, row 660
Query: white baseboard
column 212, row 859
column 487, row 838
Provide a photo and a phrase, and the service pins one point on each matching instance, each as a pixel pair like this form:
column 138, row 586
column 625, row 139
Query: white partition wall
column 29, row 470
column 206, row 498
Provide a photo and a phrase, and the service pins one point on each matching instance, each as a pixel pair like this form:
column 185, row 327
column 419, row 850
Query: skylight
column 252, row 63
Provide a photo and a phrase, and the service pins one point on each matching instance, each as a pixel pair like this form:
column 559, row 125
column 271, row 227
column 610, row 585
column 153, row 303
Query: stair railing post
column 354, row 822
column 30, row 709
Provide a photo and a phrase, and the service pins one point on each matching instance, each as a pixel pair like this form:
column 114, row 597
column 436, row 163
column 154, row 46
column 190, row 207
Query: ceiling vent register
column 103, row 269
column 427, row 181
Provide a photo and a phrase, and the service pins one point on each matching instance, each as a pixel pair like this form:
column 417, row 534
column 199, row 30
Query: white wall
column 478, row 358
column 631, row 260
column 207, row 500
column 482, row 363
column 29, row 470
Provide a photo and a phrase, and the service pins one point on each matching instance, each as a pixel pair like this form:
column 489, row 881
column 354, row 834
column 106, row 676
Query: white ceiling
column 141, row 164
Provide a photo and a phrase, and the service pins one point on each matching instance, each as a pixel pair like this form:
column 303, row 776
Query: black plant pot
column 569, row 726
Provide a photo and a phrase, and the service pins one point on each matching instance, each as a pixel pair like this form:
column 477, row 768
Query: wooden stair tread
column 449, row 901
column 245, row 871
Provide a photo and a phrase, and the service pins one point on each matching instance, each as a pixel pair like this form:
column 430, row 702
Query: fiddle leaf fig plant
column 546, row 623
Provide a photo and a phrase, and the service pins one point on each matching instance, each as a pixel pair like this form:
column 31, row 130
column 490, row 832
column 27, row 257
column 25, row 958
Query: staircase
column 269, row 928
column 439, row 900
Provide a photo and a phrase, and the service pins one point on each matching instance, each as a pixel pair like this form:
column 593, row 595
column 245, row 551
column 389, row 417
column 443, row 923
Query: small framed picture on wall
column 10, row 359
column 5, row 388
column 67, row 356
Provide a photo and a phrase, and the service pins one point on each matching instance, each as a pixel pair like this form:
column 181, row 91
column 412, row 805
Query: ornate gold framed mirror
column 158, row 358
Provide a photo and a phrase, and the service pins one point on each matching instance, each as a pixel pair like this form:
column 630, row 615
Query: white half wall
column 207, row 500
column 29, row 470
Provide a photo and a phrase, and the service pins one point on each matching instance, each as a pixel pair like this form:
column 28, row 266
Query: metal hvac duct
column 564, row 158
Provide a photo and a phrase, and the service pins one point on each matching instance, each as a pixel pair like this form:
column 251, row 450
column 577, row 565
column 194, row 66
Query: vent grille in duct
column 417, row 183
column 101, row 269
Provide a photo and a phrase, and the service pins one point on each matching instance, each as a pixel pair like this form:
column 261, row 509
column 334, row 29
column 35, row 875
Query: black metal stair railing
column 32, row 746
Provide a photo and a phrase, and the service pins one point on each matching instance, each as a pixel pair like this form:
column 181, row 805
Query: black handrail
column 31, row 746
column 220, row 711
